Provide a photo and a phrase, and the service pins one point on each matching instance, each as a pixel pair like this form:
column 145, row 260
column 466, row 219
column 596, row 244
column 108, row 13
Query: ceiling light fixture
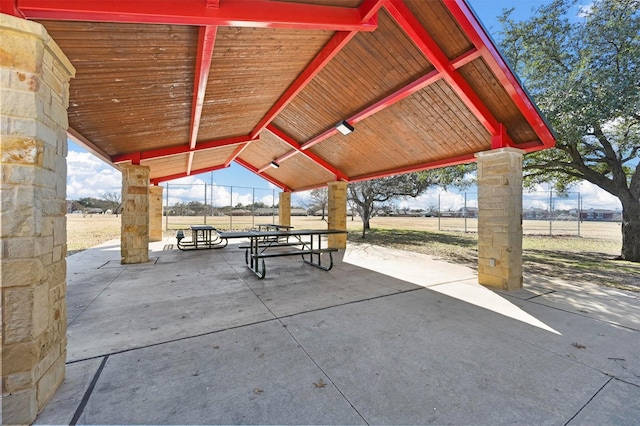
column 275, row 165
column 344, row 127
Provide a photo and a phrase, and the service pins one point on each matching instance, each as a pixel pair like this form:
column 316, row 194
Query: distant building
column 603, row 215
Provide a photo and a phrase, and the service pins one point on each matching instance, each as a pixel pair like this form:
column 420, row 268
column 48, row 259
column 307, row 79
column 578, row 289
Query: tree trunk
column 630, row 230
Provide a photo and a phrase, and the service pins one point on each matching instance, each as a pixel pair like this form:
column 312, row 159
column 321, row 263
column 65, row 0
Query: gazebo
column 305, row 93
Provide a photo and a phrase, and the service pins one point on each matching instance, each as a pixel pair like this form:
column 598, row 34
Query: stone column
column 500, row 218
column 155, row 213
column 134, row 233
column 337, row 215
column 284, row 211
column 34, row 97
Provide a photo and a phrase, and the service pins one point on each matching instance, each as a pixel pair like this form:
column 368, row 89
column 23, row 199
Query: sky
column 88, row 176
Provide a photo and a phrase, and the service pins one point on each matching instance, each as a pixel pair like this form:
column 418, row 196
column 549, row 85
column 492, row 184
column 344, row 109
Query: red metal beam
column 368, row 11
column 462, row 159
column 156, row 181
column 310, row 155
column 206, row 41
column 328, row 52
column 397, row 96
column 230, row 13
column 236, row 153
column 478, row 36
column 262, row 175
column 430, row 49
column 180, row 149
column 10, row 7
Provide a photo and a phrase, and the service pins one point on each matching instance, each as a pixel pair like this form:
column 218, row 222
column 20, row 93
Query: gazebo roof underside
column 204, row 83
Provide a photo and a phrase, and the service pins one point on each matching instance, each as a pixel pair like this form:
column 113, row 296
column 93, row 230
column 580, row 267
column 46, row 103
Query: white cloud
column 87, row 176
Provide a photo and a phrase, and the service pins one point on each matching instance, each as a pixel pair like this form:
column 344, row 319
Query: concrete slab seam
column 180, row 339
column 586, row 316
column 95, row 298
column 88, row 392
column 589, row 401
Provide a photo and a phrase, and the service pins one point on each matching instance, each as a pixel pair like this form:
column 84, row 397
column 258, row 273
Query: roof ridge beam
column 298, row 150
column 268, row 178
column 430, row 49
column 477, row 34
column 229, row 13
column 180, row 149
column 206, row 42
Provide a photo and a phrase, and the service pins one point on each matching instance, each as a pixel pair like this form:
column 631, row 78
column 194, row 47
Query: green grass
column 573, row 259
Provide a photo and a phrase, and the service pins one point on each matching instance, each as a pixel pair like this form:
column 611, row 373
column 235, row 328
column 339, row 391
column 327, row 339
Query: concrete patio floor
column 385, row 337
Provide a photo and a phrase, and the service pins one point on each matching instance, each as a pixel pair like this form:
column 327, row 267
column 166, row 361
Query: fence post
column 205, row 203
column 551, row 212
column 166, row 212
column 231, row 210
column 439, row 213
column 465, row 212
column 579, row 212
column 253, row 203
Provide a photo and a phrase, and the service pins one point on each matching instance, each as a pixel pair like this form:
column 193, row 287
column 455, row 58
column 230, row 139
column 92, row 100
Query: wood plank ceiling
column 190, row 86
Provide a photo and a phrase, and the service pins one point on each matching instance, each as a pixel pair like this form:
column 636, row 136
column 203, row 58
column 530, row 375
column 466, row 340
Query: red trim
column 462, row 159
column 180, row 149
column 328, row 52
column 10, row 7
column 263, row 176
column 462, row 60
column 206, row 41
column 419, row 35
column 235, row 154
column 230, row 13
column 476, row 33
column 213, row 3
column 156, row 181
column 310, row 155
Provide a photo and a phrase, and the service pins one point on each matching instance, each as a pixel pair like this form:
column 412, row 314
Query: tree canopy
column 368, row 196
column 581, row 65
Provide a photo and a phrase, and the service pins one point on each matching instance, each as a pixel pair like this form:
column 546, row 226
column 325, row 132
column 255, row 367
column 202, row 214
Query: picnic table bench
column 289, row 242
column 311, row 251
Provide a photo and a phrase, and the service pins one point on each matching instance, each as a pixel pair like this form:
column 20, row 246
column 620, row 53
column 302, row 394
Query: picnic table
column 310, row 250
column 306, row 243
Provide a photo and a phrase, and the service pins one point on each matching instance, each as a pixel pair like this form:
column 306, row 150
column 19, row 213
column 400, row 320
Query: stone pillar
column 500, row 218
column 284, row 211
column 34, row 97
column 155, row 213
column 134, row 233
column 337, row 215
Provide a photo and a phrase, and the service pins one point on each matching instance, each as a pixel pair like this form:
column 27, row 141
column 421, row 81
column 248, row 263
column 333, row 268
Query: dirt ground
column 586, row 253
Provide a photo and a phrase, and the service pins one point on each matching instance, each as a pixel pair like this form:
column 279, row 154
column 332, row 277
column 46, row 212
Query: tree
column 584, row 75
column 114, row 200
column 369, row 196
column 320, row 199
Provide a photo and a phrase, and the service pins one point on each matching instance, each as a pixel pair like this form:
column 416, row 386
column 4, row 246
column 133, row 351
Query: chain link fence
column 543, row 213
column 237, row 208
column 224, row 207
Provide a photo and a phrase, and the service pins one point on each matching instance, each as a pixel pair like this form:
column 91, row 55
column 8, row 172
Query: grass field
column 589, row 257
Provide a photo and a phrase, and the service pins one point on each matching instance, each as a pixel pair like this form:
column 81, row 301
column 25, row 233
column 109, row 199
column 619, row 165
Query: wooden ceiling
column 189, row 86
